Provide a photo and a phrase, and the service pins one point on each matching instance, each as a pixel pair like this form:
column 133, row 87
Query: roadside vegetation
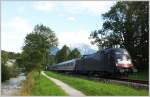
column 8, row 71
column 140, row 75
column 92, row 88
column 39, row 85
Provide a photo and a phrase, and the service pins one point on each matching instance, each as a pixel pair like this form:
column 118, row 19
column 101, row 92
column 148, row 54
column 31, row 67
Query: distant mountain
column 84, row 49
column 54, row 50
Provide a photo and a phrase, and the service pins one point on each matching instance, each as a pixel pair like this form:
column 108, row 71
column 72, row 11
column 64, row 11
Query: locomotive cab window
column 122, row 56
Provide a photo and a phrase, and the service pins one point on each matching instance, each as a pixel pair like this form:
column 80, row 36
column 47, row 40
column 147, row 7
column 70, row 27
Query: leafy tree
column 52, row 60
column 8, row 71
column 126, row 25
column 36, row 49
column 35, row 45
column 50, row 38
column 12, row 55
column 75, row 53
column 4, row 56
column 63, row 54
column 19, row 61
column 48, row 33
column 5, row 75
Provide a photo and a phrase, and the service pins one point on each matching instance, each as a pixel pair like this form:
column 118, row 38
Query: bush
column 27, row 85
column 8, row 71
column 5, row 73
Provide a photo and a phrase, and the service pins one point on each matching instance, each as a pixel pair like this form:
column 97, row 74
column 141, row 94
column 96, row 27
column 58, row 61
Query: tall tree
column 126, row 25
column 35, row 45
column 50, row 37
column 5, row 75
column 35, row 53
column 75, row 53
column 48, row 33
column 4, row 56
column 63, row 54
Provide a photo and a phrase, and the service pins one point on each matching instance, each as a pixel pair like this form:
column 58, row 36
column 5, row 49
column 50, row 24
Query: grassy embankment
column 36, row 85
column 93, row 88
column 140, row 75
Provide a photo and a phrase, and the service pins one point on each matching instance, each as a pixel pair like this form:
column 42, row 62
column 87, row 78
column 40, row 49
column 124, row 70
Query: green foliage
column 5, row 75
column 13, row 70
column 4, row 56
column 93, row 88
column 48, row 33
column 75, row 53
column 52, row 59
column 13, row 55
column 63, row 54
column 34, row 50
column 126, row 25
column 35, row 53
column 66, row 54
column 140, row 75
column 50, row 38
column 19, row 62
column 7, row 71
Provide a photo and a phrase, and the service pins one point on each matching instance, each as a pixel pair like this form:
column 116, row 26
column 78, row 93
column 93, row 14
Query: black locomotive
column 110, row 61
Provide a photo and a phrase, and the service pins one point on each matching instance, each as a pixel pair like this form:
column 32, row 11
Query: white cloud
column 75, row 7
column 44, row 5
column 71, row 18
column 90, row 7
column 73, row 38
column 97, row 7
column 14, row 32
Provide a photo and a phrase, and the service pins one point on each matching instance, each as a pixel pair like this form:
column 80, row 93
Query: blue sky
column 72, row 21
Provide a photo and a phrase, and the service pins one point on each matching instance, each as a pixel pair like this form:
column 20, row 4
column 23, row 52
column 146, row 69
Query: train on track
column 107, row 61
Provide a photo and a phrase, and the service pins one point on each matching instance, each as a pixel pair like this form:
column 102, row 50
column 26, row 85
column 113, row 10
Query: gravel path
column 69, row 90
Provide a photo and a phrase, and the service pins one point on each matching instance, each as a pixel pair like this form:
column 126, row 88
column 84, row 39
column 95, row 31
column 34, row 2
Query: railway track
column 138, row 84
column 135, row 81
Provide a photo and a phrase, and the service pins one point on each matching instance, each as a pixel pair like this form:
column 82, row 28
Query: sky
column 71, row 21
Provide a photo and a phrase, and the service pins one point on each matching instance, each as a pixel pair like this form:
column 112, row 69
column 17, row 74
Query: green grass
column 44, row 87
column 140, row 75
column 92, row 88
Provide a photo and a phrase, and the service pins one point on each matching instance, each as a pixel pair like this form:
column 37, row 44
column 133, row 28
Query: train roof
column 121, row 50
column 66, row 62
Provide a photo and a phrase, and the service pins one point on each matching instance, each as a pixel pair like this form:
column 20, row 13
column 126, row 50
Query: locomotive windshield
column 122, row 58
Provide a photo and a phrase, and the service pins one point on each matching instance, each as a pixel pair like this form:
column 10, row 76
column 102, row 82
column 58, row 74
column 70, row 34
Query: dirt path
column 71, row 91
